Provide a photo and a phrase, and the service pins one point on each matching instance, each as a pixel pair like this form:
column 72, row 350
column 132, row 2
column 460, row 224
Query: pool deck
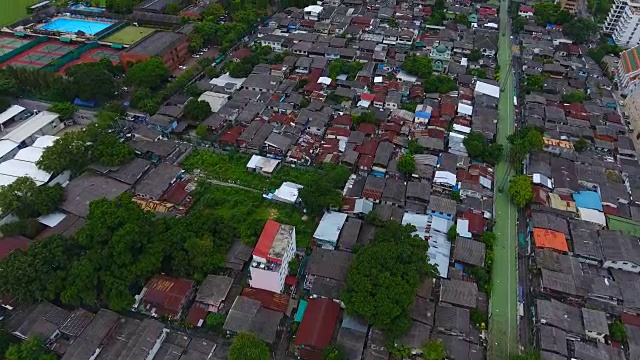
column 80, row 25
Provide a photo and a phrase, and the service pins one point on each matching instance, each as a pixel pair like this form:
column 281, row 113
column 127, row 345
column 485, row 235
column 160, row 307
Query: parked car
column 195, row 56
column 181, row 67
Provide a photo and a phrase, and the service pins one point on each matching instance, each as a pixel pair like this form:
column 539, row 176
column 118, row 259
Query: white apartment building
column 623, row 23
column 271, row 256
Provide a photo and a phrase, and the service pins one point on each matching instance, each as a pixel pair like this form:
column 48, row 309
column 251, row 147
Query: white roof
column 445, row 177
column 29, row 154
column 491, row 25
column 377, row 79
column 267, row 165
column 7, row 179
column 10, row 113
column 405, row 76
column 19, row 168
column 485, row 182
column 461, row 128
column 7, row 146
column 330, row 227
column 225, row 79
column 288, row 192
column 364, row 103
column 440, row 253
column 215, row 100
column 464, row 62
column 487, row 89
column 540, row 179
column 440, row 224
column 324, row 80
column 51, row 220
column 31, row 126
column 313, row 8
column 44, row 141
column 593, row 216
column 462, row 228
column 465, row 109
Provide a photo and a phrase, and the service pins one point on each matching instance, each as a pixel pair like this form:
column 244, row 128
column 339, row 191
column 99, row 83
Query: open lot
column 14, row 10
column 129, row 35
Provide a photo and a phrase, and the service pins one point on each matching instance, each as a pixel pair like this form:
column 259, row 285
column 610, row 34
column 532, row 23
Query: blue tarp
column 302, row 306
column 588, row 200
column 80, row 102
column 423, row 114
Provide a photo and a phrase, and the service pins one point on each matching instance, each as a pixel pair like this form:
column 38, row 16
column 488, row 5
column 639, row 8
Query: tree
column 581, row 145
column 25, row 199
column 214, row 321
column 91, row 81
column 414, row 147
column 575, row 97
column 172, row 9
column 28, row 228
column 455, row 196
column 339, row 67
column 30, row 349
column 212, row 12
column 452, row 234
column 533, row 83
column 196, row 42
column 526, row 140
column 580, row 30
column 318, row 197
column 440, row 84
column 617, row 331
column 195, row 110
column 434, row 350
column 478, row 318
column 202, row 130
column 294, row 266
column 519, row 24
column 419, row 66
column 384, row 278
column 407, row 165
column 65, row 109
column 5, row 103
column 247, row 346
column 551, row 13
column 150, row 74
column 8, row 85
column 368, row 117
column 333, row 352
column 475, row 55
column 521, row 190
column 480, row 149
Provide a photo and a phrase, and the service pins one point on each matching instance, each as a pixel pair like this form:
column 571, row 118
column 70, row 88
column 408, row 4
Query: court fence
column 19, row 50
column 74, row 54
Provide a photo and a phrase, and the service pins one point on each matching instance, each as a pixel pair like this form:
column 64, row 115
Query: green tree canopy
column 195, row 110
column 247, row 346
column 617, row 331
column 434, row 350
column 575, row 97
column 480, row 149
column 319, row 197
column 91, row 81
column 441, row 84
column 339, row 67
column 533, row 83
column 384, row 278
column 172, row 9
column 407, row 165
column 580, row 30
column 547, row 12
column 65, row 109
column 419, row 66
column 30, row 349
column 202, row 130
column 524, row 141
column 25, row 199
column 5, row 103
column 333, row 352
column 521, row 190
column 150, row 74
column 581, row 145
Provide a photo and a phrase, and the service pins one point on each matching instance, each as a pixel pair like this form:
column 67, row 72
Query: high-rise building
column 271, row 256
column 623, row 22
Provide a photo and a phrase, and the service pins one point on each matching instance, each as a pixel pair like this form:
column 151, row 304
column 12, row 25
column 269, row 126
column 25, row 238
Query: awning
column 302, row 306
column 65, row 39
column 117, row 46
column 19, row 33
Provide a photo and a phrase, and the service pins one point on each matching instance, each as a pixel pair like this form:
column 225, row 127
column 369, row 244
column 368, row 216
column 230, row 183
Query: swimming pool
column 73, row 25
column 87, row 8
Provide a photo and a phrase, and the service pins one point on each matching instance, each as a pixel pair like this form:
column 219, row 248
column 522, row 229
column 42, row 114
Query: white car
column 621, row 103
column 204, row 49
column 195, row 56
column 181, row 67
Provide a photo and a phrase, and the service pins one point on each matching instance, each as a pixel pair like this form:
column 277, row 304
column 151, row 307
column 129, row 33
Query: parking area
column 212, row 53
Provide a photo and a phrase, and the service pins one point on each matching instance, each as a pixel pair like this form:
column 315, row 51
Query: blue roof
column 588, row 200
column 423, row 114
column 302, row 306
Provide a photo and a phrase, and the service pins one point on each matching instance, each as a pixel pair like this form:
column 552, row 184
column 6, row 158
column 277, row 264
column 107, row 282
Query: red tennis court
column 42, row 54
column 94, row 55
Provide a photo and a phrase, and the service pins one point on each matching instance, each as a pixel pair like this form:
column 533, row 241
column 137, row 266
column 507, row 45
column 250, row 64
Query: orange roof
column 266, row 239
column 550, row 239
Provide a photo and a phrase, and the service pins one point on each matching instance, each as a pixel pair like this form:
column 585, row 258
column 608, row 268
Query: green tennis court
column 4, row 51
column 129, row 35
column 57, row 48
column 100, row 54
column 35, row 57
column 12, row 42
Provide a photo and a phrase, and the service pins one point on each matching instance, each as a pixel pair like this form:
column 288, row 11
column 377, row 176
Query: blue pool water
column 73, row 25
column 87, row 8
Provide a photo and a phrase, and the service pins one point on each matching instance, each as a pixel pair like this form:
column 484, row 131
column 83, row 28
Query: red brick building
column 170, row 47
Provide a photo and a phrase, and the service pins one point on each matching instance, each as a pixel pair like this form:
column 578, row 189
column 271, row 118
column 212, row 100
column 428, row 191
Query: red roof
column 231, row 136
column 265, row 241
column 270, row 300
column 630, row 319
column 343, row 120
column 380, row 97
column 360, row 20
column 241, row 53
column 394, row 85
column 365, row 161
column 367, row 129
column 368, row 97
column 10, row 244
column 318, row 324
column 476, row 222
column 614, row 118
column 197, row 314
column 339, row 132
column 167, row 294
column 176, row 193
column 290, row 280
column 527, row 9
column 448, row 109
column 367, row 148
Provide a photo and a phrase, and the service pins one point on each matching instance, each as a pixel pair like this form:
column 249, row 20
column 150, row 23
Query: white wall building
column 271, row 256
column 312, row 12
column 622, row 23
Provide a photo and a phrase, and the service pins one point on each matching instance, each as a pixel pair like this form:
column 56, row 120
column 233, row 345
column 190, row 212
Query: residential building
column 622, row 23
column 328, row 231
column 209, row 298
column 164, row 296
column 271, row 256
column 317, row 327
column 169, row 46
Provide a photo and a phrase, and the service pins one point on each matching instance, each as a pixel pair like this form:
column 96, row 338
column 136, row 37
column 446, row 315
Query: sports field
column 14, row 10
column 503, row 317
column 41, row 54
column 129, row 35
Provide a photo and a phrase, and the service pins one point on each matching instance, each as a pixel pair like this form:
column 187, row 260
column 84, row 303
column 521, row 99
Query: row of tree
column 422, row 67
column 480, row 149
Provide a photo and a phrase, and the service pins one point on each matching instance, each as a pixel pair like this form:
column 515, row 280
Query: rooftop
column 274, row 241
column 157, row 44
column 87, row 188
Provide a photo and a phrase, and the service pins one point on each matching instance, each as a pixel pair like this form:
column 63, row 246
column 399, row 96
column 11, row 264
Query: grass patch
column 14, row 10
column 246, row 212
column 232, row 167
column 129, row 35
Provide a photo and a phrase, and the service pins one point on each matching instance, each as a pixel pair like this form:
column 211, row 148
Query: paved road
column 81, row 114
column 503, row 332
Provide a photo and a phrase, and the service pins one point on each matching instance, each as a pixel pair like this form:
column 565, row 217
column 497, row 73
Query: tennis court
column 12, row 42
column 40, row 58
column 101, row 54
column 129, row 35
column 56, row 48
